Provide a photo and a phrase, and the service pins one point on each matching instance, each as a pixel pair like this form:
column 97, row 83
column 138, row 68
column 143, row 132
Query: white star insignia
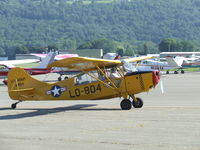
column 55, row 91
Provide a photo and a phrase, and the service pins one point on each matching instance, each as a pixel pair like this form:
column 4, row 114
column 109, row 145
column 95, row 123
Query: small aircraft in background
column 61, row 71
column 11, row 63
column 40, row 69
column 170, row 63
column 191, row 59
column 99, row 79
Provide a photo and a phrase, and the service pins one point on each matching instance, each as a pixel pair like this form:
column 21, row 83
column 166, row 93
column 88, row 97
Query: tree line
column 134, row 27
column 144, row 48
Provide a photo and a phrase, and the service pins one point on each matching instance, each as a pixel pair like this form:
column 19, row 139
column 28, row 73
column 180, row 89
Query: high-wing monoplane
column 99, row 79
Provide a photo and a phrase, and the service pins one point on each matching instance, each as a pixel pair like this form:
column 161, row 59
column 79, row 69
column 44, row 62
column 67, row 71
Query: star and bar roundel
column 56, row 91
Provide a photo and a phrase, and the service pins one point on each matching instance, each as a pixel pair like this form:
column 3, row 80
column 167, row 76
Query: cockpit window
column 85, row 78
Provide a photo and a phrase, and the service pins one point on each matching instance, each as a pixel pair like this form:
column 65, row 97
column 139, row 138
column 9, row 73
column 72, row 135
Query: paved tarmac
column 169, row 121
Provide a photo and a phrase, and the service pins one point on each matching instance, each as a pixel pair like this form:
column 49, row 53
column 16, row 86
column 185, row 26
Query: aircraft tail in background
column 176, row 62
column 47, row 60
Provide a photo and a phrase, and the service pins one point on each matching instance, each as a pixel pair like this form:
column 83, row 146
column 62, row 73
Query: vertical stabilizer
column 21, row 86
column 175, row 62
column 47, row 60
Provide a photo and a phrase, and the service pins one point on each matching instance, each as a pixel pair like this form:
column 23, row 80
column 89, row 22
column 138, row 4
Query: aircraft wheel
column 125, row 104
column 13, row 106
column 182, row 71
column 138, row 103
column 167, row 72
column 175, row 72
column 59, row 78
column 66, row 77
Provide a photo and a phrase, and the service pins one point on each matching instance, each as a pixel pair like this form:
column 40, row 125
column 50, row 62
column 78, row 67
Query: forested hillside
column 40, row 23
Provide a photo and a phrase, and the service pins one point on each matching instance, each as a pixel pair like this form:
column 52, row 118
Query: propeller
column 161, row 83
column 161, row 79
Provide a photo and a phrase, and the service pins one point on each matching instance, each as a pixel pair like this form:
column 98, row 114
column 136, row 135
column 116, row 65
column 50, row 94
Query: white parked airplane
column 11, row 63
column 171, row 63
column 191, row 59
column 5, row 66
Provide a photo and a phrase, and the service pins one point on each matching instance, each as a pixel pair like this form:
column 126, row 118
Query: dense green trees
column 172, row 45
column 105, row 44
column 136, row 26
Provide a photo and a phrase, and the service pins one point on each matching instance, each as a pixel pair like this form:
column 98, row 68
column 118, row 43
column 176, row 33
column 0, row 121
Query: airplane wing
column 83, row 63
column 11, row 63
column 87, row 64
column 135, row 59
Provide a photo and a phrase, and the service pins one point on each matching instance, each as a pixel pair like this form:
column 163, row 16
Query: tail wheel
column 182, row 71
column 13, row 106
column 167, row 72
column 125, row 104
column 138, row 103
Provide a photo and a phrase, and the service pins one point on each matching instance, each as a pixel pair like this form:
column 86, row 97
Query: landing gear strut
column 176, row 71
column 14, row 105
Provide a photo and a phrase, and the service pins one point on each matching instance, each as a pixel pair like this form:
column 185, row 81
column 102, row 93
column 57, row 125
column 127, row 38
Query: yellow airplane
column 99, row 79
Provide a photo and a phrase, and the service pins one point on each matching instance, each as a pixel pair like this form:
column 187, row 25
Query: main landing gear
column 60, row 78
column 126, row 104
column 14, row 105
column 176, row 71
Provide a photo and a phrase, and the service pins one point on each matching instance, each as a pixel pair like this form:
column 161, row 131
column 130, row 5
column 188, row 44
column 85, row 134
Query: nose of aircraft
column 156, row 77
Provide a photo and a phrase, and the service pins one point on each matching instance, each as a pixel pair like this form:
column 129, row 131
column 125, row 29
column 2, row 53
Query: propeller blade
column 161, row 84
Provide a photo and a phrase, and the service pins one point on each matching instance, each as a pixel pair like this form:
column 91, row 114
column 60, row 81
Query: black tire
column 13, row 106
column 182, row 71
column 175, row 72
column 137, row 104
column 125, row 104
column 167, row 72
column 59, row 78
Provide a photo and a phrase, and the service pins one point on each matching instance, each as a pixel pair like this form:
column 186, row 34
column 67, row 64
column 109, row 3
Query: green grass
column 28, row 65
column 188, row 69
column 192, row 69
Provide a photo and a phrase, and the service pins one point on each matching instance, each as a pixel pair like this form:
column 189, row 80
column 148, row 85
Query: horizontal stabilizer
column 23, row 90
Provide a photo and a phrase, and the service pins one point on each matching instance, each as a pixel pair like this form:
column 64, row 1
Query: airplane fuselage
column 69, row 89
column 155, row 65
